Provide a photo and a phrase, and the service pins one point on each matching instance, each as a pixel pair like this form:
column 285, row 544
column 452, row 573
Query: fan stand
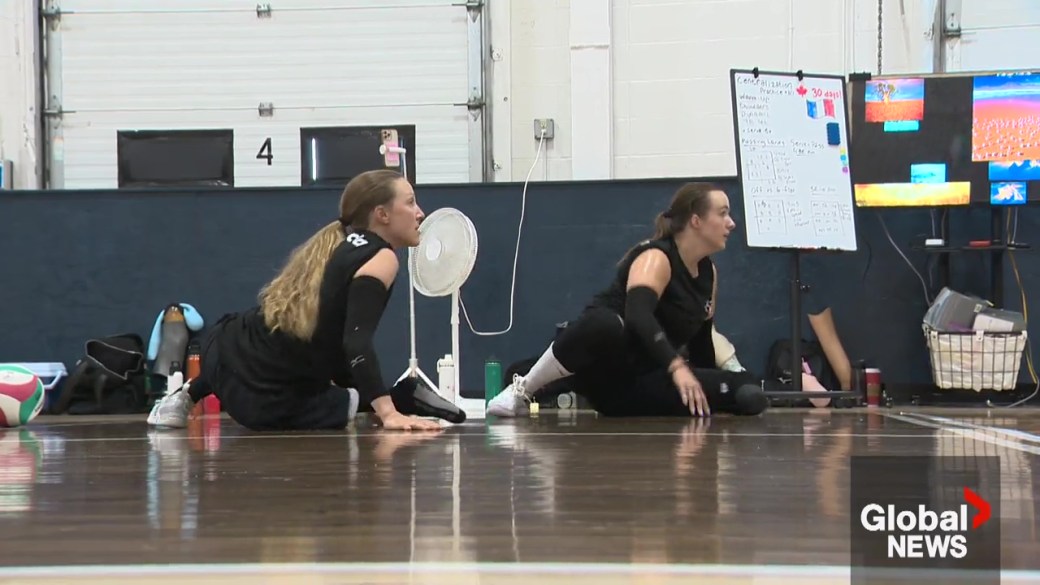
column 456, row 383
column 413, row 369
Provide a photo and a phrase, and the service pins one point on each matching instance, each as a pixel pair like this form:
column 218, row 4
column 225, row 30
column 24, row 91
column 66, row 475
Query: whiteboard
column 793, row 160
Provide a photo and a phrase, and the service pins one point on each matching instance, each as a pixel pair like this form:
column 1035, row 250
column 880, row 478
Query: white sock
column 545, row 371
column 732, row 365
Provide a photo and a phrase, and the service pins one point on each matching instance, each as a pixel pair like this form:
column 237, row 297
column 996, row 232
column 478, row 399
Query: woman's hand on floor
column 690, row 390
column 400, row 422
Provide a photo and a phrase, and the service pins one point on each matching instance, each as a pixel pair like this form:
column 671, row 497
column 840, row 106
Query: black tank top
column 684, row 305
column 273, row 361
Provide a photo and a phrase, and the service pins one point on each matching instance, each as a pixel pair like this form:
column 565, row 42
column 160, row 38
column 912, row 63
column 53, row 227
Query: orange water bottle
column 194, row 367
column 192, row 371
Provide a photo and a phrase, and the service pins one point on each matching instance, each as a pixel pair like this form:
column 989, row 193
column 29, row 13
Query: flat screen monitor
column 945, row 140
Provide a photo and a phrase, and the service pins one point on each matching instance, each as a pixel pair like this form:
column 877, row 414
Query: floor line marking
column 755, row 570
column 182, row 434
column 1017, row 433
column 970, row 434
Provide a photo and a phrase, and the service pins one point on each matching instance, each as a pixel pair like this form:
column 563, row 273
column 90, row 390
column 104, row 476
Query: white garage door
column 263, row 75
column 993, row 35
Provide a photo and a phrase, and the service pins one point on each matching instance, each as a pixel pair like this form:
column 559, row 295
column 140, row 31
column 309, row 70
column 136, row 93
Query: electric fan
column 438, row 267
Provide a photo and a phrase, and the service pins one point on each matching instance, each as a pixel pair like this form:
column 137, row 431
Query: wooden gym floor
column 557, row 498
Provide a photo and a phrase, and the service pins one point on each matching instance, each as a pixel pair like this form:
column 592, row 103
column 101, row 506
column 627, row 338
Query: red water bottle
column 211, row 404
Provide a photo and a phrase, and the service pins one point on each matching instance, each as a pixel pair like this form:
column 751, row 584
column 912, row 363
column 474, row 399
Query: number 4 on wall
column 265, row 152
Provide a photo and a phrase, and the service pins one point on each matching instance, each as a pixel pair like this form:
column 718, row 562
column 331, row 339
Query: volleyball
column 21, row 395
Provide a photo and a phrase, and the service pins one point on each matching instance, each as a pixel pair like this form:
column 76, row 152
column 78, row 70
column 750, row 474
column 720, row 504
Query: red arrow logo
column 981, row 505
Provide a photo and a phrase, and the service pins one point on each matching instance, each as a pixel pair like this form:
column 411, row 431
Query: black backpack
column 778, row 366
column 109, row 379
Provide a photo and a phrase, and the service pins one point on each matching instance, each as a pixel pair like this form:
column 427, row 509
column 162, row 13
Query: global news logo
column 925, row 533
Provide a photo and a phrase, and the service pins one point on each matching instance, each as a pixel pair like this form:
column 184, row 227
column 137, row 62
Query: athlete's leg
column 325, row 408
column 329, row 408
column 594, row 341
column 655, row 394
column 173, row 408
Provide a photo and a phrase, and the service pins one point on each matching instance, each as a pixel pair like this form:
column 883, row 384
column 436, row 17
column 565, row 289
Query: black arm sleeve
column 366, row 301
column 640, row 302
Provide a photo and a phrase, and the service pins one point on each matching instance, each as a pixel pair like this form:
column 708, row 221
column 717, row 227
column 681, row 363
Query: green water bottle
column 492, row 378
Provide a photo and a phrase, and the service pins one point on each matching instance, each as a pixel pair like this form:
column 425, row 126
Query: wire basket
column 975, row 360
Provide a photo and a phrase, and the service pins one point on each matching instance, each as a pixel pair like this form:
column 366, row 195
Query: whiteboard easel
column 792, row 143
column 792, row 139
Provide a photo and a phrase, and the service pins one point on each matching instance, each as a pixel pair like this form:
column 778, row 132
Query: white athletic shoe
column 513, row 401
column 355, row 401
column 172, row 410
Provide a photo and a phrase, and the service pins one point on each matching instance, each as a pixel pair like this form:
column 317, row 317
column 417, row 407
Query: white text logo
column 924, row 533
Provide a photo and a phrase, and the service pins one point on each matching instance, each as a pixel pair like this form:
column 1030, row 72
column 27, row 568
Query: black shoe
column 411, row 397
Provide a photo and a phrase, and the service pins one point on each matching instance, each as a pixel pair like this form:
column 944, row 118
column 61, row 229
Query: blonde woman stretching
column 304, row 359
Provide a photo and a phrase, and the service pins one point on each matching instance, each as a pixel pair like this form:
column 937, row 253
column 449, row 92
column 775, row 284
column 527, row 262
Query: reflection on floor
column 559, row 498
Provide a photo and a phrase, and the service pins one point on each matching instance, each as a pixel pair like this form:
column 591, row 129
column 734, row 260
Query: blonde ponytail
column 290, row 301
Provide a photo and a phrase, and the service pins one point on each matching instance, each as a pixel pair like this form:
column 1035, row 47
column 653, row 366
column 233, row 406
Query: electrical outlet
column 547, row 125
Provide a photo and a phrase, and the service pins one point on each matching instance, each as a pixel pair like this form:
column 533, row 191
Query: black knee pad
column 411, row 397
column 750, row 400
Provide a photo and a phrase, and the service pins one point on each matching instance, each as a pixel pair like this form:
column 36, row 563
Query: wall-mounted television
column 945, row 140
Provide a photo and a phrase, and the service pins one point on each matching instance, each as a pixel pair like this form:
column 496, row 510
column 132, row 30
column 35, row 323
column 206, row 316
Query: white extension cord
column 516, row 254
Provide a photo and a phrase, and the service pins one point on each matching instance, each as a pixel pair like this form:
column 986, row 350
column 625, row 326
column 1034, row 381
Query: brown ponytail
column 691, row 199
column 667, row 225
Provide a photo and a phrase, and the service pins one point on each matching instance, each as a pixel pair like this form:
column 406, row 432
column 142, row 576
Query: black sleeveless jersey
column 274, row 360
column 685, row 304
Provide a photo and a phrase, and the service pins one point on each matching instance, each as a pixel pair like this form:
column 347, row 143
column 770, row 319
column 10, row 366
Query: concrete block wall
column 669, row 62
column 18, row 90
column 636, row 88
